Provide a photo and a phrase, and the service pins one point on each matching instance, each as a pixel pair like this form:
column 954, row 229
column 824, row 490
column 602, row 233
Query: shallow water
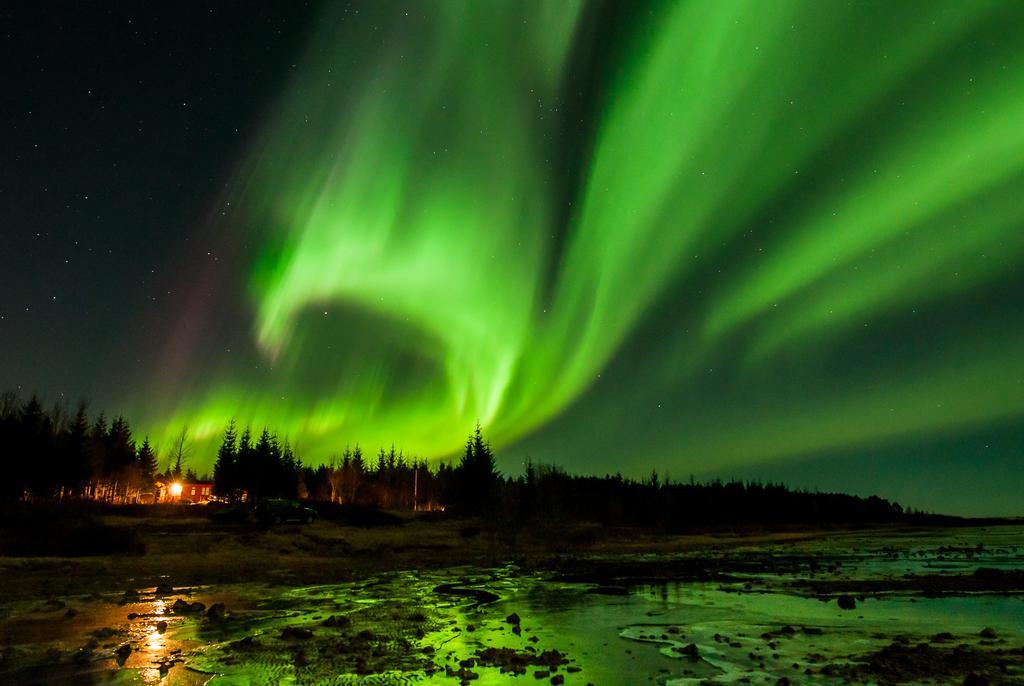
column 398, row 628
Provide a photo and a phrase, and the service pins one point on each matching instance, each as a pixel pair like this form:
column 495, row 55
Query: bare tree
column 10, row 405
column 181, row 451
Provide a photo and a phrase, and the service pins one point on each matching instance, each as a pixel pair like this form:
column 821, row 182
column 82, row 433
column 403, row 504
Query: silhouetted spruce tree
column 246, row 463
column 98, row 473
column 290, row 469
column 260, row 473
column 74, row 463
column 121, row 460
column 225, row 468
column 10, row 412
column 35, row 450
column 358, row 475
column 147, row 463
column 477, row 474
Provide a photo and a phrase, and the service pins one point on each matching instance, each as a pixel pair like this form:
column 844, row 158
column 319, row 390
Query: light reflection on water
column 641, row 633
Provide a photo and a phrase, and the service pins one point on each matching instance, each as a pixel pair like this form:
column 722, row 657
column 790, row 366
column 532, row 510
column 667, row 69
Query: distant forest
column 57, row 455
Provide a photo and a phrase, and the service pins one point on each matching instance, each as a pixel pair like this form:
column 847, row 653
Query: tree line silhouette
column 58, row 455
column 248, row 469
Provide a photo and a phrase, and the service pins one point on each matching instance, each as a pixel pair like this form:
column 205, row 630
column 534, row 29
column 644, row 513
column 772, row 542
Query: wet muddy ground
column 936, row 606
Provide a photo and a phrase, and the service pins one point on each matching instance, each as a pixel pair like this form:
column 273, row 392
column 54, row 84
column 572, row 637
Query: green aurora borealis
column 698, row 236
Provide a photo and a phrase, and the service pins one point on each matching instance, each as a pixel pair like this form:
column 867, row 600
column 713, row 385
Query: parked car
column 278, row 510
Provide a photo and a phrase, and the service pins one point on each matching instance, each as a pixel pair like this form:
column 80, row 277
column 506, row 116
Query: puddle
column 436, row 627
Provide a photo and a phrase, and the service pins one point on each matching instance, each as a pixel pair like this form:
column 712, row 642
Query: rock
column 813, row 631
column 183, row 607
column 161, row 626
column 988, row 632
column 245, row 644
column 513, row 619
column 552, row 658
column 846, row 602
column 338, row 622
column 558, row 679
column 70, row 613
column 463, row 674
column 296, row 633
column 122, row 653
column 216, row 612
column 541, row 674
column 164, row 588
column 689, row 650
column 164, row 666
column 783, row 681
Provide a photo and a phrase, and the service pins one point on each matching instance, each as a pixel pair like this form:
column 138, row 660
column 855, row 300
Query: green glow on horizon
column 839, row 163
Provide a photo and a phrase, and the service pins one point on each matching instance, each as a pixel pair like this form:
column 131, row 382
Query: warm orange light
column 175, row 489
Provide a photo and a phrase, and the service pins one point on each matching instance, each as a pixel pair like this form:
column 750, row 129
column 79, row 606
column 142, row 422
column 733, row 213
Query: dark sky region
column 774, row 240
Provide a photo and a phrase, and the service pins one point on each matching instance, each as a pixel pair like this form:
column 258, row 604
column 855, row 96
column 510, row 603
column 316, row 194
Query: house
column 187, row 492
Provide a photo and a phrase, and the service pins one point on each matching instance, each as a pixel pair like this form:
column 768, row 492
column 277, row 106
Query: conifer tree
column 147, row 462
column 476, row 475
column 225, row 469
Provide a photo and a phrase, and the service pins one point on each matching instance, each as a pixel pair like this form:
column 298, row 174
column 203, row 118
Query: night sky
column 778, row 240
